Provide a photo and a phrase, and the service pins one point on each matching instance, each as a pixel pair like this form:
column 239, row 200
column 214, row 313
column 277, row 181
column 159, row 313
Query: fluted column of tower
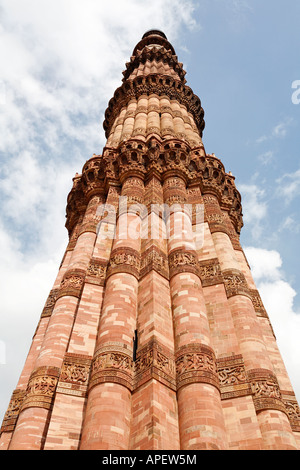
column 154, row 335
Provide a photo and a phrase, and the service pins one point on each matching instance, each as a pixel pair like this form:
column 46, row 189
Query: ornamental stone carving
column 144, row 360
column 183, row 261
column 92, row 177
column 176, row 199
column 96, row 272
column 154, row 361
column 76, row 204
column 131, row 161
column 115, row 360
column 293, row 411
column 235, row 283
column 112, row 363
column 136, row 200
column 110, row 167
column 124, row 260
column 153, row 130
column 154, row 259
column 72, row 283
column 74, row 233
column 210, row 272
column 74, row 375
column 174, row 183
column 215, row 218
column 41, row 388
column 217, row 222
column 196, row 363
column 258, row 304
column 265, row 390
column 154, row 84
column 232, row 375
column 233, row 378
column 208, row 199
column 158, row 54
column 13, row 411
column 135, row 157
column 50, row 303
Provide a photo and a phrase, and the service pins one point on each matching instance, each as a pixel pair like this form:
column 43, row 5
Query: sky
column 60, row 63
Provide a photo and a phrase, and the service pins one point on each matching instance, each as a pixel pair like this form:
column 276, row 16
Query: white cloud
column 291, row 224
column 279, row 299
column 278, row 132
column 265, row 264
column 63, row 64
column 239, row 6
column 266, row 157
column 261, row 139
column 25, row 284
column 254, row 207
column 237, row 13
column 289, row 185
column 281, row 129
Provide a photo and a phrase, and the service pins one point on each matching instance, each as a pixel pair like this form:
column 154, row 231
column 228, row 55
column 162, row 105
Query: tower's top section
column 154, row 54
column 155, row 32
column 154, row 124
column 153, row 38
column 154, row 70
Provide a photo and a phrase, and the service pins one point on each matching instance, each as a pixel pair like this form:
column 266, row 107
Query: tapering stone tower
column 154, row 335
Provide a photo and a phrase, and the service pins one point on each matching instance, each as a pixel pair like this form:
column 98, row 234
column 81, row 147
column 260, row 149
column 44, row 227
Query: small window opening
column 135, row 345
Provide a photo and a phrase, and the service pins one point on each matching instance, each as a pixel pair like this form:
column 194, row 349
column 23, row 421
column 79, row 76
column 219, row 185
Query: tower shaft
column 154, row 335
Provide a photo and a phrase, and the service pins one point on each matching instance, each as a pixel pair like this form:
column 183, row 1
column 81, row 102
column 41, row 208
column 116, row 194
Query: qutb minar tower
column 154, row 336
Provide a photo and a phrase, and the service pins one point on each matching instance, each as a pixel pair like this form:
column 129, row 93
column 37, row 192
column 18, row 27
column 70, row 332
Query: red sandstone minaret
column 154, row 335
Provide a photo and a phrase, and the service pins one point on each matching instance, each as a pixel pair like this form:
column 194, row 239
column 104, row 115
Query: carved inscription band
column 292, row 409
column 13, row 411
column 210, row 272
column 196, row 363
column 260, row 383
column 72, row 283
column 96, row 273
column 233, row 378
column 192, row 364
column 41, row 388
column 124, row 261
column 74, row 377
column 154, row 259
column 265, row 390
column 50, row 303
column 183, row 261
column 155, row 361
column 235, row 283
column 112, row 363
